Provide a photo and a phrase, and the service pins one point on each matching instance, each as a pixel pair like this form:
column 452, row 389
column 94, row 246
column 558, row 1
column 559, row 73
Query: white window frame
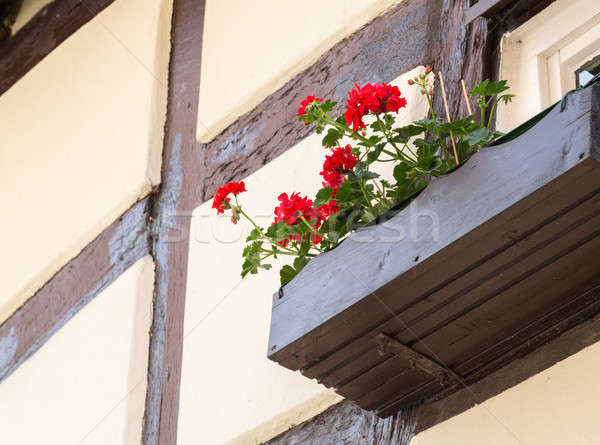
column 540, row 58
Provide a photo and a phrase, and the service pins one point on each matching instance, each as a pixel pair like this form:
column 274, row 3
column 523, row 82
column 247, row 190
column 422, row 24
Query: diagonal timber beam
column 51, row 26
column 100, row 263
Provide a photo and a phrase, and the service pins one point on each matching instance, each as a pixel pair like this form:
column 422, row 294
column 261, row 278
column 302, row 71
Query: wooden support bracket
column 388, row 344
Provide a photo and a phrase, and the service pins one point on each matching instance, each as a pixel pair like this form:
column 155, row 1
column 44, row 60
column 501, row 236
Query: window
column 549, row 55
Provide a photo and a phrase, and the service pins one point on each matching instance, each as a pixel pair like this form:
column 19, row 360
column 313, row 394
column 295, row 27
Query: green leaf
column 304, row 247
column 332, row 137
column 323, row 196
column 254, row 235
column 480, row 89
column 481, row 135
column 362, row 173
column 389, row 120
column 328, row 105
column 287, row 274
column 487, row 88
column 374, row 154
column 377, row 126
column 408, row 131
column 300, row 262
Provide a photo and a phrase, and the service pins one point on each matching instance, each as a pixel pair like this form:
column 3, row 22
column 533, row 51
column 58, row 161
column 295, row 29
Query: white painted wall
column 540, row 57
column 81, row 141
column 230, row 391
column 252, row 48
column 558, row 406
column 87, row 384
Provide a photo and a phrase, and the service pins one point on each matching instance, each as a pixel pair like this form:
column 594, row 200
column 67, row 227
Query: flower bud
column 431, row 92
column 411, row 82
column 422, row 76
column 422, row 92
column 428, row 69
column 416, row 79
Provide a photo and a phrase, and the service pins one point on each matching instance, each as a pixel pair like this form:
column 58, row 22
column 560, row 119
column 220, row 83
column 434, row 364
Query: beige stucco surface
column 230, row 391
column 81, row 141
column 29, row 8
column 558, row 406
column 540, row 57
column 87, row 384
column 252, row 48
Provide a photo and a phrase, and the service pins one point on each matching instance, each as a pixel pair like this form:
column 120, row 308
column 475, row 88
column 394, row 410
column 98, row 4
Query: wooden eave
column 485, row 8
column 514, row 264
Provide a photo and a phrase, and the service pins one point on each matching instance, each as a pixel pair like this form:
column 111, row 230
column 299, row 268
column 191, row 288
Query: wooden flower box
column 485, row 265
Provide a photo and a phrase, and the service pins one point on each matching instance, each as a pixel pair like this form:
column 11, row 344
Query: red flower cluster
column 305, row 103
column 291, row 207
column 326, row 210
column 372, row 98
column 221, row 200
column 336, row 165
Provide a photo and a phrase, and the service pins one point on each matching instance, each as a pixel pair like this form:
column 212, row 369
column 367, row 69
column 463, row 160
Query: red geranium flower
column 291, row 207
column 305, row 103
column 372, row 98
column 336, row 165
column 221, row 200
column 289, row 210
column 326, row 210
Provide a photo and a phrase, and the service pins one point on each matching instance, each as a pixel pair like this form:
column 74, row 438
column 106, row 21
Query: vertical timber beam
column 174, row 204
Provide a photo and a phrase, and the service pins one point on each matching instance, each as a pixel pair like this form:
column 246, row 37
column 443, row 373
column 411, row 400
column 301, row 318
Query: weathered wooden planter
column 485, row 265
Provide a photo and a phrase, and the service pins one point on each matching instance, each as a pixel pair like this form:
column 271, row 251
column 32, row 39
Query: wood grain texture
column 390, row 45
column 100, row 263
column 54, row 23
column 485, row 8
column 550, row 352
column 182, row 171
column 345, row 423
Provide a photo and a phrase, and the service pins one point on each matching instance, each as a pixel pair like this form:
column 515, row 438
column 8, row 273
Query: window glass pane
column 587, row 71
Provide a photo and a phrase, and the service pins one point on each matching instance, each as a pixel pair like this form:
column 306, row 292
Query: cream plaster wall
column 540, row 57
column 230, row 391
column 555, row 407
column 87, row 384
column 269, row 41
column 29, row 8
column 81, row 141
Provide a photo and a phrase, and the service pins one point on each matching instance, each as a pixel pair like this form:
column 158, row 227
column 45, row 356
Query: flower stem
column 312, row 229
column 262, row 234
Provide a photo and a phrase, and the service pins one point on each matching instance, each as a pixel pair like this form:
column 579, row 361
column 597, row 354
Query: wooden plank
column 175, row 201
column 489, row 323
column 585, row 308
column 345, row 423
column 499, row 265
column 101, row 262
column 513, row 229
column 583, row 332
column 388, row 344
column 51, row 26
column 485, row 8
column 491, row 182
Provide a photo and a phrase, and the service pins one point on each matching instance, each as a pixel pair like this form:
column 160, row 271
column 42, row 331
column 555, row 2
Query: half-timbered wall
column 269, row 41
column 81, row 141
column 87, row 384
